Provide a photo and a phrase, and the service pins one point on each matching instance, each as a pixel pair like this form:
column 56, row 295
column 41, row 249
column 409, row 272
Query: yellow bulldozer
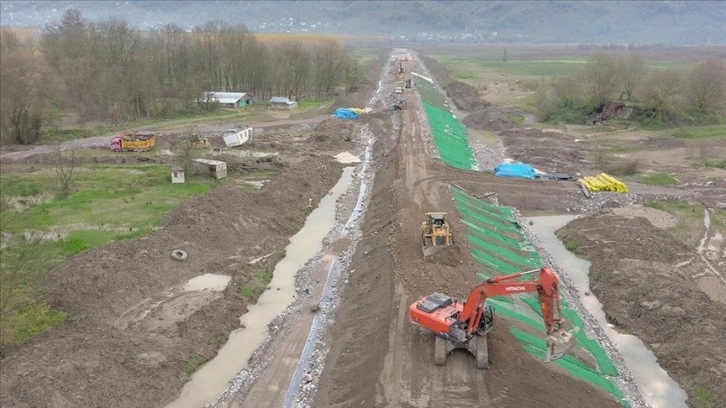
column 436, row 234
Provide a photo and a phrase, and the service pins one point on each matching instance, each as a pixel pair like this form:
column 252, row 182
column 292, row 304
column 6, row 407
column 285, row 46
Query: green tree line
column 663, row 97
column 111, row 72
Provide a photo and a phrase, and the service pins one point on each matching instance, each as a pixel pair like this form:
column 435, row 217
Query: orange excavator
column 466, row 325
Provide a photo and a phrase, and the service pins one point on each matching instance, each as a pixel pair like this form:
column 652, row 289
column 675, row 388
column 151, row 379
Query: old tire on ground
column 482, row 353
column 179, row 255
column 439, row 351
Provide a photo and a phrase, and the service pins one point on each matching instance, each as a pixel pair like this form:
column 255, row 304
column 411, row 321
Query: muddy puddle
column 658, row 389
column 209, row 281
column 213, row 378
column 248, row 153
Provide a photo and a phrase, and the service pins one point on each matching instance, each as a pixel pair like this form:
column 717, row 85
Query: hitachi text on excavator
column 466, row 325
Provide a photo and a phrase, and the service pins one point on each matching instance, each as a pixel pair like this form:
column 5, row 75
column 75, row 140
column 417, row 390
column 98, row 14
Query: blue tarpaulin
column 345, row 113
column 520, row 170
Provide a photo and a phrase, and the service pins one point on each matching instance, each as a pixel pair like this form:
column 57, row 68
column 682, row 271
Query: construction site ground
column 132, row 329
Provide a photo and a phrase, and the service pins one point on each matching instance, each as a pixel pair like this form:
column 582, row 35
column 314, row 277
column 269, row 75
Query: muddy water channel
column 213, row 378
column 658, row 389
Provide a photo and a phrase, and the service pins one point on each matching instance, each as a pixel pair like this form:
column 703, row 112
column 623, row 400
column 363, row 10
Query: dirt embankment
column 646, row 281
column 547, row 151
column 119, row 348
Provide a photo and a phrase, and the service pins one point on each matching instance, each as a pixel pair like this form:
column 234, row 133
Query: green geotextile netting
column 498, row 244
column 500, row 247
column 450, row 138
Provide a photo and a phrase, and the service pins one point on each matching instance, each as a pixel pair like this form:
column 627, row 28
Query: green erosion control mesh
column 500, row 247
column 450, row 138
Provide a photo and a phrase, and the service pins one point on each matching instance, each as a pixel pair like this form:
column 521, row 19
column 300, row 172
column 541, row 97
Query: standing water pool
column 658, row 389
column 213, row 378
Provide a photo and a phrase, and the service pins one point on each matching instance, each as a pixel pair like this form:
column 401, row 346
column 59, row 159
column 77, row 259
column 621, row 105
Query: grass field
column 700, row 132
column 690, row 226
column 475, row 68
column 108, row 203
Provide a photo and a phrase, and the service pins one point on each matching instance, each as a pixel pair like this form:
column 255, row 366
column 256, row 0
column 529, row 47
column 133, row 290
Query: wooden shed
column 211, row 168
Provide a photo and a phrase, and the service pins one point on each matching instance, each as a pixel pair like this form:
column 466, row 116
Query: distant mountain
column 599, row 22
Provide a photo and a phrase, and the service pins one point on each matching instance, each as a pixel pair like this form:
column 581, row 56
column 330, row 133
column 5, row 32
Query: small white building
column 212, row 168
column 177, row 174
column 279, row 102
column 228, row 99
column 237, row 136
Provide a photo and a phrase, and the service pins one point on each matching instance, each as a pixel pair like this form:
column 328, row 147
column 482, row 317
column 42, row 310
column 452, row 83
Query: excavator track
column 440, row 351
column 482, row 352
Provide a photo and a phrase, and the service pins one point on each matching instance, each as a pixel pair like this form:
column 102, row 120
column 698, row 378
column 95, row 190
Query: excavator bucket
column 558, row 344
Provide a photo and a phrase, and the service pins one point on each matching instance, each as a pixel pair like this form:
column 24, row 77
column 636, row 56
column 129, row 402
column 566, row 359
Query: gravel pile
column 489, row 156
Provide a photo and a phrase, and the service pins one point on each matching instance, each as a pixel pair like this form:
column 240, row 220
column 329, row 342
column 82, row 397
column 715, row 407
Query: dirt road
column 102, row 141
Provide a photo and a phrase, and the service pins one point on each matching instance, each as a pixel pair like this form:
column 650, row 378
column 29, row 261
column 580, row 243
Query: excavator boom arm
column 547, row 286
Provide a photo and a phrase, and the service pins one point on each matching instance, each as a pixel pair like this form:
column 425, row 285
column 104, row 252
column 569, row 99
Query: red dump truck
column 135, row 142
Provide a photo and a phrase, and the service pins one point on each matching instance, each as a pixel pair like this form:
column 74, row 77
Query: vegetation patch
column 571, row 245
column 515, row 118
column 107, row 203
column 690, row 226
column 715, row 163
column 261, row 277
column 194, row 363
column 705, row 397
column 472, row 67
column 699, row 132
column 658, row 179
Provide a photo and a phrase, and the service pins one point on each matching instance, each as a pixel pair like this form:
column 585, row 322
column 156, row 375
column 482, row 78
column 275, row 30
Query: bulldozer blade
column 558, row 344
column 429, row 251
column 443, row 254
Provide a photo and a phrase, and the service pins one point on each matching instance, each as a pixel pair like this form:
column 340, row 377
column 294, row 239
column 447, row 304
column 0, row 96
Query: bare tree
column 328, row 62
column 25, row 124
column 256, row 77
column 110, row 71
column 185, row 151
column 600, row 77
column 72, row 50
column 21, row 115
column 351, row 73
column 631, row 74
column 292, row 64
column 706, row 85
column 66, row 171
column 208, row 53
column 661, row 91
